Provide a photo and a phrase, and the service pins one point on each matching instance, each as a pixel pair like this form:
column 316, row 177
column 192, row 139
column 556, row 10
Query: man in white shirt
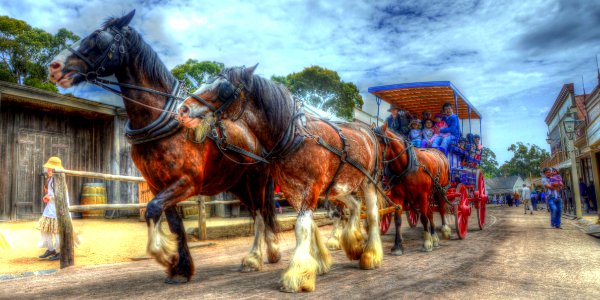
column 526, row 196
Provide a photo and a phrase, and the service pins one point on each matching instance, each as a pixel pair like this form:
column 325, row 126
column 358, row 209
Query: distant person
column 48, row 224
column 526, row 196
column 534, row 200
column 509, row 200
column 553, row 187
column 517, row 198
column 591, row 191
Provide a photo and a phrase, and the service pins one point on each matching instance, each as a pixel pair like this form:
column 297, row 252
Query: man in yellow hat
column 47, row 224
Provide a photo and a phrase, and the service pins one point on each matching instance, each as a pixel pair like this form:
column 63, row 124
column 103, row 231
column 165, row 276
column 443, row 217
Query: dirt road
column 517, row 256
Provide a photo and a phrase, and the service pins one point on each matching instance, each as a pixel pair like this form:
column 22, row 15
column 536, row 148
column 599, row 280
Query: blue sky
column 509, row 58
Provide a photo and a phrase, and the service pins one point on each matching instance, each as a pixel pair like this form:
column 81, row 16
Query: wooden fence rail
column 65, row 225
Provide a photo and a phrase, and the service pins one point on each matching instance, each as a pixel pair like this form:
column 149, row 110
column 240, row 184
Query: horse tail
column 269, row 205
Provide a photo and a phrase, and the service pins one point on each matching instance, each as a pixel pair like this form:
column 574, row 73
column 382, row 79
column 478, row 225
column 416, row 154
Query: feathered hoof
column 251, row 263
column 297, row 279
column 333, row 243
column 324, row 264
column 162, row 246
column 352, row 243
column 371, row 257
column 446, row 232
column 397, row 252
column 274, row 256
column 427, row 242
column 435, row 241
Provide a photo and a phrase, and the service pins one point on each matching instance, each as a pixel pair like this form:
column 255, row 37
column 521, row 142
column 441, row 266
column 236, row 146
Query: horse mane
column 146, row 58
column 272, row 98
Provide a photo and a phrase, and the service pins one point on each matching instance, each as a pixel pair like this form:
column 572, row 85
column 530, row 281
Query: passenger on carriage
column 453, row 129
column 415, row 135
column 398, row 120
column 428, row 133
column 439, row 124
column 425, row 115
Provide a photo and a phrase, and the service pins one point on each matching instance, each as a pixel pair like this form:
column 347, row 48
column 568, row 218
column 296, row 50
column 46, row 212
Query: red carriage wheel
column 412, row 217
column 483, row 198
column 462, row 211
column 384, row 224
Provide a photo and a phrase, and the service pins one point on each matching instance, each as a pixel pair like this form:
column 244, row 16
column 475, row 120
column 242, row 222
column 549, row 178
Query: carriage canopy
column 417, row 97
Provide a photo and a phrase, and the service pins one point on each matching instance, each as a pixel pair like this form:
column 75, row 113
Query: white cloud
column 509, row 58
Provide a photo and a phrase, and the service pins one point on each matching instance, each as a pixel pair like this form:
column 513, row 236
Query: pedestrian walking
column 553, row 193
column 534, row 196
column 526, row 197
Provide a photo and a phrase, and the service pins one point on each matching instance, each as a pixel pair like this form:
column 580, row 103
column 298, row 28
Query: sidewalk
column 109, row 241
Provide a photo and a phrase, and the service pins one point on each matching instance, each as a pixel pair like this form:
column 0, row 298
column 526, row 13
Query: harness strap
column 343, row 154
column 355, row 164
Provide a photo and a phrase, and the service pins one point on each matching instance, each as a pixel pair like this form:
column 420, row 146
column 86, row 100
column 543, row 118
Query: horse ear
column 384, row 127
column 124, row 20
column 250, row 71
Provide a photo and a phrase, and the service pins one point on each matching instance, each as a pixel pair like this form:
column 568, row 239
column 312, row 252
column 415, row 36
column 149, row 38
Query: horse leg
column 352, row 237
column 435, row 239
column 427, row 242
column 445, row 228
column 333, row 243
column 185, row 264
column 271, row 225
column 301, row 273
column 398, row 248
column 319, row 251
column 253, row 261
column 373, row 253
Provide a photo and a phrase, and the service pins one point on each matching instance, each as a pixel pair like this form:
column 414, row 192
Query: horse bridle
column 110, row 46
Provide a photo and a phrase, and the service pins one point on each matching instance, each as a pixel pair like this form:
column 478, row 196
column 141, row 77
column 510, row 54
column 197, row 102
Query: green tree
column 199, row 71
column 526, row 160
column 25, row 51
column 323, row 89
column 489, row 163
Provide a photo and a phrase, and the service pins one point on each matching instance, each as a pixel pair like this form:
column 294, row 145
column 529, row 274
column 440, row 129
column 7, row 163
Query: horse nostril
column 55, row 65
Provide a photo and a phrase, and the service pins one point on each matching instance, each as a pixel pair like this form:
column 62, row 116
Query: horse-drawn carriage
column 467, row 189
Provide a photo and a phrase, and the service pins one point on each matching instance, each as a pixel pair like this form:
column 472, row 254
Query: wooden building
column 36, row 124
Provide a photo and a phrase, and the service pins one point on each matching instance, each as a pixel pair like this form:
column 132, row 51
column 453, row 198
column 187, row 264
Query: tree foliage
column 526, row 160
column 25, row 51
column 200, row 71
column 323, row 89
column 489, row 164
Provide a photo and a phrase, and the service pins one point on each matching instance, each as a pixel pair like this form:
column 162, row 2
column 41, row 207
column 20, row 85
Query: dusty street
column 517, row 256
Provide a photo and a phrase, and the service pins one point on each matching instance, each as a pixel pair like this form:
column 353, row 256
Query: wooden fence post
column 202, row 218
column 65, row 227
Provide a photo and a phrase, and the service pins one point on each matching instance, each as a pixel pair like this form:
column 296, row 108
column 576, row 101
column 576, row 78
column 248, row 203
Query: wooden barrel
column 93, row 193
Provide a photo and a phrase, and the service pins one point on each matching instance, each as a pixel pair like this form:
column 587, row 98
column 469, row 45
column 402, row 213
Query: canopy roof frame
column 417, row 97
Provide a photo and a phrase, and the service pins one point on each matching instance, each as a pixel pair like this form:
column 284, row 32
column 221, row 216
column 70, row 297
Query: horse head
column 99, row 54
column 216, row 97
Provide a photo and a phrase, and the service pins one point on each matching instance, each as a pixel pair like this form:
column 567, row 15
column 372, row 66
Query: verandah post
column 65, row 225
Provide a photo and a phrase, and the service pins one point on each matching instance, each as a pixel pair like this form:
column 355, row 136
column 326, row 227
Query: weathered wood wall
column 29, row 136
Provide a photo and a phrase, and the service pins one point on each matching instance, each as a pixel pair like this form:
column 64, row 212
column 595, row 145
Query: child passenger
column 427, row 133
column 415, row 135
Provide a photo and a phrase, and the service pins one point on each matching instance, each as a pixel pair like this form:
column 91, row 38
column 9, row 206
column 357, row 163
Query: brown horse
column 309, row 169
column 175, row 166
column 417, row 179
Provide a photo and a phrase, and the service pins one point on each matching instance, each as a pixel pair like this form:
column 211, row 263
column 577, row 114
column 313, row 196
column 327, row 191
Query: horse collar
column 163, row 126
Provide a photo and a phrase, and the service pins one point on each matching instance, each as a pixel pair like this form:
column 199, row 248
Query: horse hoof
column 176, row 280
column 397, row 252
column 333, row 244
